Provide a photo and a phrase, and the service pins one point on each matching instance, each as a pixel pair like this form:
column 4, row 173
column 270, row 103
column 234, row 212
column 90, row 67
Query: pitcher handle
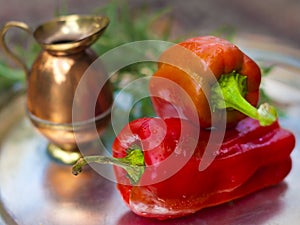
column 7, row 50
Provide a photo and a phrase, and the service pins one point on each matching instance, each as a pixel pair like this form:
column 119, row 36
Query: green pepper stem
column 229, row 92
column 133, row 163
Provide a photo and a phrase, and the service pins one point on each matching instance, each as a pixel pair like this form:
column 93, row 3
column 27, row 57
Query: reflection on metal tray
column 36, row 190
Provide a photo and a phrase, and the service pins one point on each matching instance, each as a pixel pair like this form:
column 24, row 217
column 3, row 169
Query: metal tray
column 34, row 189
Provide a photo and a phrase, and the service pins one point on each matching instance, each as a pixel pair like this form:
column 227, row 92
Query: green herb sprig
column 126, row 26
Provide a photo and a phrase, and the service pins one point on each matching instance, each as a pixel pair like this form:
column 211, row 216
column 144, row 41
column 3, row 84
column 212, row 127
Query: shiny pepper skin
column 222, row 58
column 251, row 157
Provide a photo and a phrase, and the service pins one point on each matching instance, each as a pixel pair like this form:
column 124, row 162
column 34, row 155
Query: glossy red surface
column 36, row 190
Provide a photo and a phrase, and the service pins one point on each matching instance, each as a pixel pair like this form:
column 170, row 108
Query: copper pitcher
column 53, row 78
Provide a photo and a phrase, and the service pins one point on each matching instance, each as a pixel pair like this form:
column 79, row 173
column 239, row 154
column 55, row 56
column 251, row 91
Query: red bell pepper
column 228, row 81
column 157, row 164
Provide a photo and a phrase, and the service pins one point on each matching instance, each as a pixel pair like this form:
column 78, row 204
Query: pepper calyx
column 229, row 92
column 133, row 163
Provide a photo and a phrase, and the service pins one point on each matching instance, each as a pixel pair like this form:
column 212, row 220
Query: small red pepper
column 235, row 87
column 147, row 153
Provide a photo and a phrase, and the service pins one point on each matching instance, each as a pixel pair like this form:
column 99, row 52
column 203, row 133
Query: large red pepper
column 226, row 71
column 147, row 153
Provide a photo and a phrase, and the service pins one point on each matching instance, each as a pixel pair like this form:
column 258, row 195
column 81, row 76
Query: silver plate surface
column 34, row 189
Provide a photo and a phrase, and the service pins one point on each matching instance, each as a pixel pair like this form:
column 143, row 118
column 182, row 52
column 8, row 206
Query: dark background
column 278, row 19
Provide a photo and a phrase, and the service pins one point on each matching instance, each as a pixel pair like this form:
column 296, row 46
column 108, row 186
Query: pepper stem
column 133, row 163
column 229, row 93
